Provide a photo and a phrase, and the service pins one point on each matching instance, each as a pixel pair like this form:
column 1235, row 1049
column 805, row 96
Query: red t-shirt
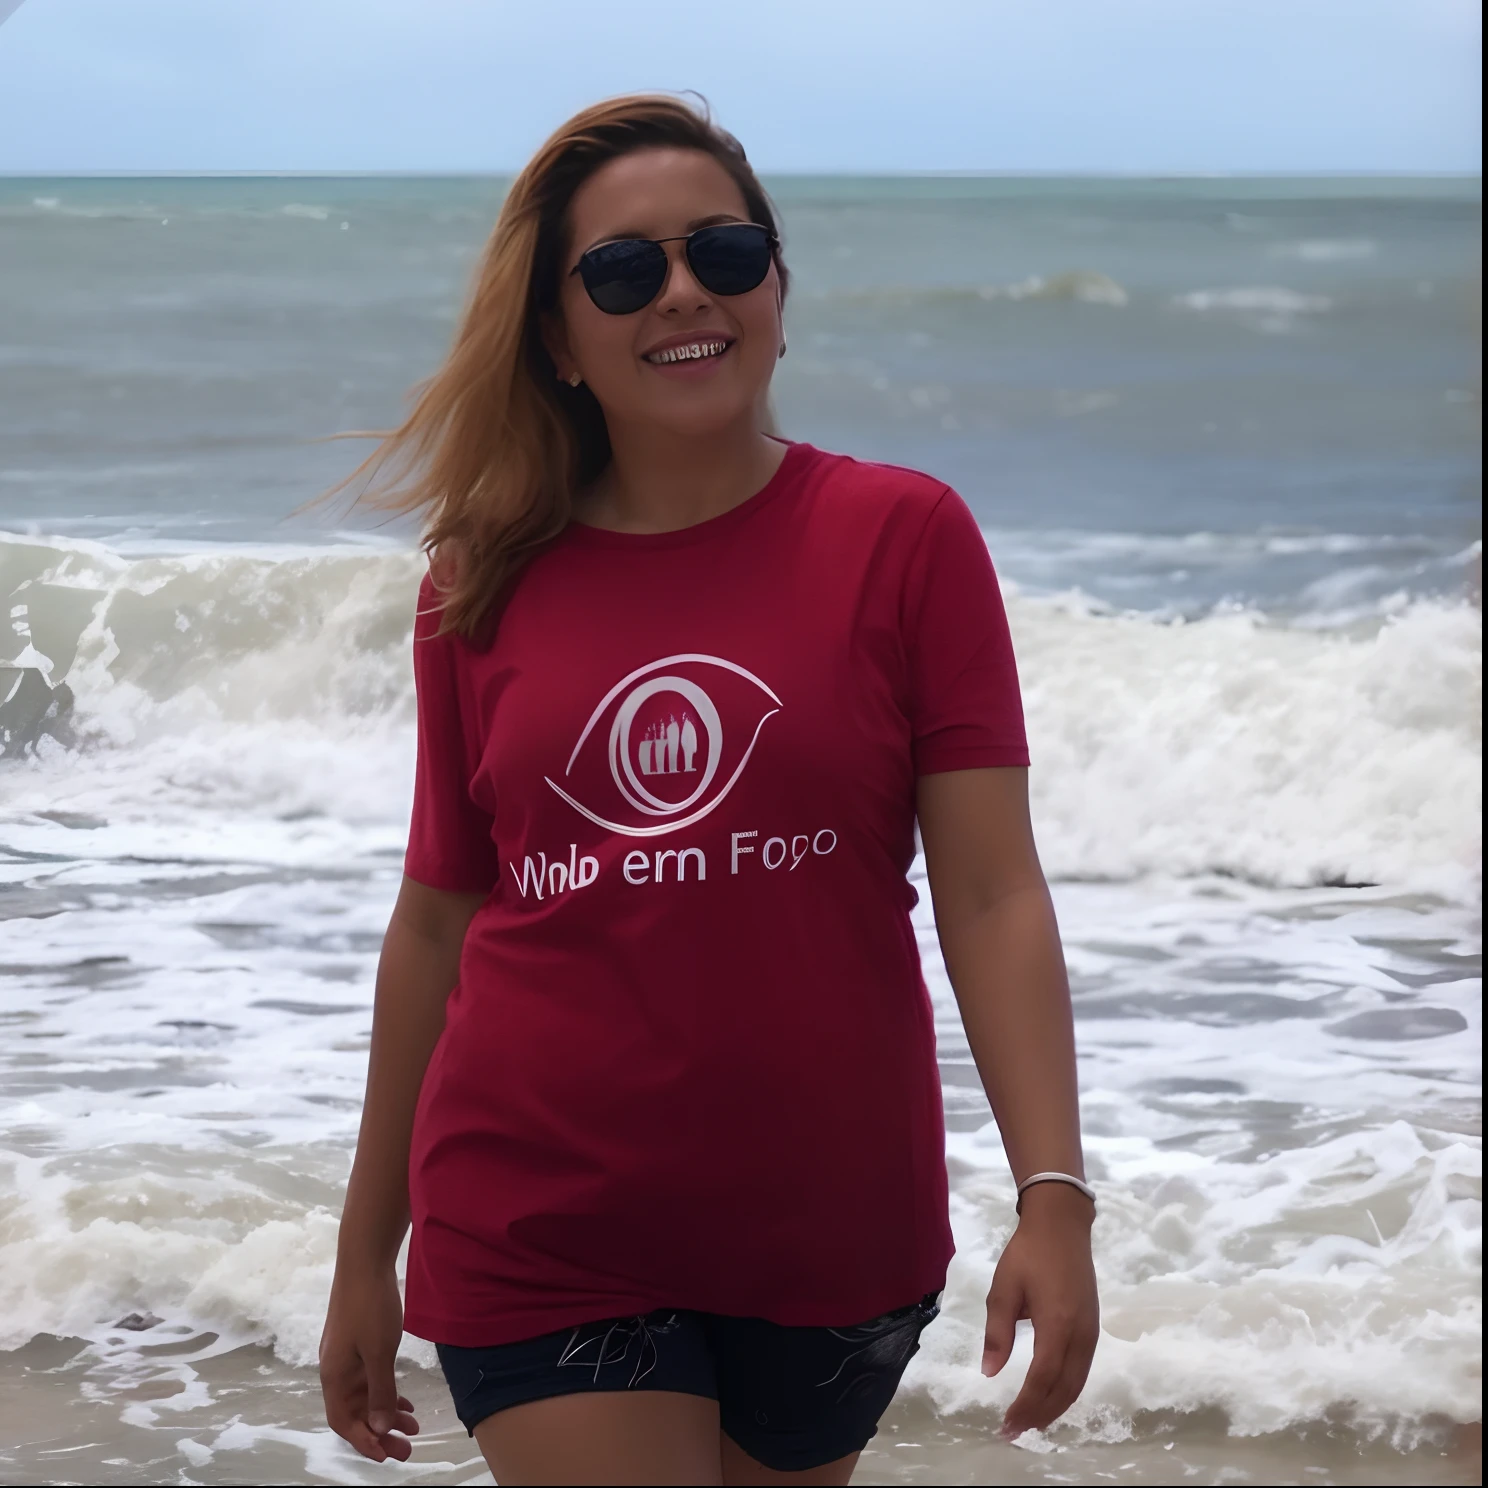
column 690, row 1059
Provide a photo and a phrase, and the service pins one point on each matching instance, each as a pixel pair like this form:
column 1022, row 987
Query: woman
column 653, row 1069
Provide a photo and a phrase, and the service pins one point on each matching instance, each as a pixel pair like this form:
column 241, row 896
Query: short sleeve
column 451, row 839
column 966, row 711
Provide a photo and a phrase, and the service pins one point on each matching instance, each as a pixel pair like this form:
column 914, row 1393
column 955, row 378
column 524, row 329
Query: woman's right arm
column 418, row 968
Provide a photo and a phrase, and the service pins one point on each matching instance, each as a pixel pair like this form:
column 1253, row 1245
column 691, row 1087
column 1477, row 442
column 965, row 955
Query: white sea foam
column 1278, row 1239
column 1256, row 299
column 1216, row 547
column 1325, row 250
column 1291, row 1217
column 1086, row 285
column 1280, row 755
column 1278, row 1080
column 1222, row 1292
column 58, row 206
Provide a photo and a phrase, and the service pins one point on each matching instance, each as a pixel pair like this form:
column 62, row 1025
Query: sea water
column 1222, row 438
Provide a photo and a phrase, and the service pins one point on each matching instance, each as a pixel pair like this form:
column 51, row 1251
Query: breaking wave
column 1282, row 754
column 1084, row 286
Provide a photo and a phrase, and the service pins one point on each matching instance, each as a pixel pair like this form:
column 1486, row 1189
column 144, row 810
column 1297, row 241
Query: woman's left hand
column 1046, row 1275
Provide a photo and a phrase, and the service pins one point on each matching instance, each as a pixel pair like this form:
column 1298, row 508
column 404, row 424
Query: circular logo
column 669, row 762
column 673, row 752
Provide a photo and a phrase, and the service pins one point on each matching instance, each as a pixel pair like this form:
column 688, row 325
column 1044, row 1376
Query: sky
column 1142, row 86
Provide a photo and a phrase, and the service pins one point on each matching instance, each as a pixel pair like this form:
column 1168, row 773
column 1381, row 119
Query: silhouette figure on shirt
column 670, row 748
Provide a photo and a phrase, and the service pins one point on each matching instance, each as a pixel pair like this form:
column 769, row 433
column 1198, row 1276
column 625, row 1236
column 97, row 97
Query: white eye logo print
column 667, row 748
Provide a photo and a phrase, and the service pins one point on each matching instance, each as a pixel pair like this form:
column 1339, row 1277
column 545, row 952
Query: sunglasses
column 729, row 259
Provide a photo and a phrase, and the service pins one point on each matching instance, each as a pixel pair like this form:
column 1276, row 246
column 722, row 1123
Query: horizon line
column 858, row 173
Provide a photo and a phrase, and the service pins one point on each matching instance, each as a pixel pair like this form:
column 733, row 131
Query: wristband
column 1069, row 1178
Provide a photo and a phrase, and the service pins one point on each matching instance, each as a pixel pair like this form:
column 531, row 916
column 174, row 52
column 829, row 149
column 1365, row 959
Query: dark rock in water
column 307, row 1009
column 30, row 707
column 75, row 821
column 1401, row 1023
column 138, row 1322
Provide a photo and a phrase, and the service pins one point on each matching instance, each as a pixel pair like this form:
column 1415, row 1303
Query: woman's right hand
column 358, row 1347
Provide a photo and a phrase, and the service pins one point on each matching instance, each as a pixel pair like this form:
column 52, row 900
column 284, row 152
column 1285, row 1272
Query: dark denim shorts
column 792, row 1398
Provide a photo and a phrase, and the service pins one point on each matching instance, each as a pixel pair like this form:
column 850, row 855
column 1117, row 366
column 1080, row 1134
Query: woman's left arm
column 1001, row 946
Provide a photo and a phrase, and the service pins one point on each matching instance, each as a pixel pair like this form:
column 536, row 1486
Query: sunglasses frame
column 772, row 243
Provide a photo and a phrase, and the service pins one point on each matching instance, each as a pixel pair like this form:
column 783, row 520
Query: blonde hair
column 496, row 445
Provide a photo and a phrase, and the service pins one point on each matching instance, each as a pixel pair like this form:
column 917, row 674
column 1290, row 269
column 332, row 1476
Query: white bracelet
column 1069, row 1178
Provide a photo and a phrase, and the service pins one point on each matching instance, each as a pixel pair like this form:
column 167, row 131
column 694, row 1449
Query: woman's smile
column 689, row 356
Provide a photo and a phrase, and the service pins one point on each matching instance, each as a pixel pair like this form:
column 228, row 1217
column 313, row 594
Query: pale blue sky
column 858, row 85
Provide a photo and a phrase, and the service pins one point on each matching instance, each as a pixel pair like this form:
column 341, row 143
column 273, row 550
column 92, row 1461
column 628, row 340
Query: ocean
column 1223, row 440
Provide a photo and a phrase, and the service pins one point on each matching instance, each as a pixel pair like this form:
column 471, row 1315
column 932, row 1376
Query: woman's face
column 664, row 193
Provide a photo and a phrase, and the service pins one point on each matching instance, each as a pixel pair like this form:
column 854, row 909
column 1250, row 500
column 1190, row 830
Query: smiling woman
column 510, row 435
column 696, row 305
column 684, row 690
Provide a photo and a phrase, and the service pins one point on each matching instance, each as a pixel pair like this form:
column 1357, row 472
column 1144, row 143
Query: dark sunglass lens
column 730, row 259
column 623, row 277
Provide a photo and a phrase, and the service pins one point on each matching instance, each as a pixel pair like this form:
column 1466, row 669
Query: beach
column 1222, row 439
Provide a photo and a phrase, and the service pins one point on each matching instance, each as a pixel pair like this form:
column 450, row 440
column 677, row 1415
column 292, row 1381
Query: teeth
column 690, row 353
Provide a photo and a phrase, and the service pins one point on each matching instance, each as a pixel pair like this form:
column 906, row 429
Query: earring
column 782, row 349
column 573, row 379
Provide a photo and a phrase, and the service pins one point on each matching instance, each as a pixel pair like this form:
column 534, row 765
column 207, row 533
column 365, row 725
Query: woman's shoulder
column 867, row 488
column 434, row 591
column 431, row 594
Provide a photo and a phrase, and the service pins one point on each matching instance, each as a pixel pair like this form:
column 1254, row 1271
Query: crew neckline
column 797, row 453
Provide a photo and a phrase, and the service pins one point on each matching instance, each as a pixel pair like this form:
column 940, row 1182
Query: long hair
column 496, row 445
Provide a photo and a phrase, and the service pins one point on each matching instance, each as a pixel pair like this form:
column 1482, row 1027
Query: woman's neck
column 663, row 483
